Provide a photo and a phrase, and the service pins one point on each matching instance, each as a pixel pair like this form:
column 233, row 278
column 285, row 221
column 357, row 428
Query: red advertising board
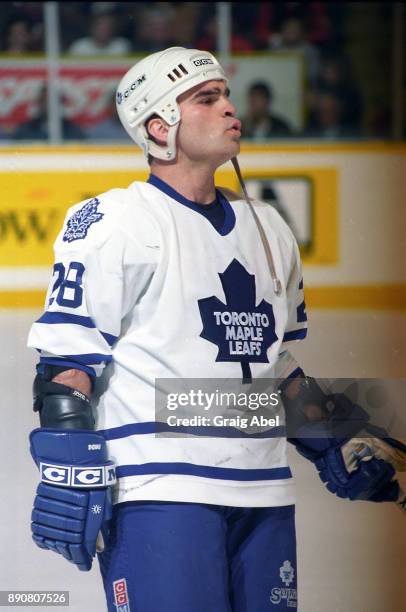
column 87, row 86
column 86, row 91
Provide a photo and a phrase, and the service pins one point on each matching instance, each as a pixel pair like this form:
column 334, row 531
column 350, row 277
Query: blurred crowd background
column 347, row 49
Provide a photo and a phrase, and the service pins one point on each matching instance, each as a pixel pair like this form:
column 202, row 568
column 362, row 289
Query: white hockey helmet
column 153, row 85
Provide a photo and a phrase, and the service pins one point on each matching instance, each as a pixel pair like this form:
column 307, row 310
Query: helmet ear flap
column 151, row 147
column 167, row 153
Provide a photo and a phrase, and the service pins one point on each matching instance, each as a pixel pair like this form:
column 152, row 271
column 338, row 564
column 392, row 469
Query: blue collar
column 229, row 215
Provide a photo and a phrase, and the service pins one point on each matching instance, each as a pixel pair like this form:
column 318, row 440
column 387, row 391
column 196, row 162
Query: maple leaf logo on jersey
column 79, row 223
column 242, row 331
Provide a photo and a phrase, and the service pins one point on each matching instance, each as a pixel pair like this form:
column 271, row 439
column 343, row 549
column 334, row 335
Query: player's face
column 208, row 131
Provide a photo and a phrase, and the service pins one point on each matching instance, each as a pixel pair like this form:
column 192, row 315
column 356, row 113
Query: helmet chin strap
column 277, row 286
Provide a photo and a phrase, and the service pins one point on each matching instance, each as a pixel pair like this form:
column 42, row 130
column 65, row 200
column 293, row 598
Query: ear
column 157, row 129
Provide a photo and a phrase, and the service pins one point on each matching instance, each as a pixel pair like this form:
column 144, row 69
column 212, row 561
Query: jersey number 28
column 67, row 289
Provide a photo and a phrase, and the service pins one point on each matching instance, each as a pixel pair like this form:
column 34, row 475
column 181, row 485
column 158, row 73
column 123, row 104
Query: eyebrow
column 209, row 92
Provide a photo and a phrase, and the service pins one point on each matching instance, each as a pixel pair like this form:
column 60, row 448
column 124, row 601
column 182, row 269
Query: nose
column 229, row 108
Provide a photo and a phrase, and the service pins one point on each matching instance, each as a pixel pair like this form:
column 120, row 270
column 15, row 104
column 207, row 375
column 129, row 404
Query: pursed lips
column 236, row 125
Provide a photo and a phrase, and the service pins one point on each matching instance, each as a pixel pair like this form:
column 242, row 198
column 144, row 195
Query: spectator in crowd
column 209, row 31
column 244, row 16
column 185, row 23
column 109, row 128
column 292, row 37
column 319, row 25
column 336, row 75
column 37, row 127
column 17, row 35
column 102, row 39
column 259, row 121
column 380, row 122
column 328, row 118
column 154, row 27
column 6, row 133
column 323, row 21
column 74, row 19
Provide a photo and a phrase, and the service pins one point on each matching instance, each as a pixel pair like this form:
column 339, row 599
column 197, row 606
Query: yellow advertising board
column 34, row 205
column 343, row 202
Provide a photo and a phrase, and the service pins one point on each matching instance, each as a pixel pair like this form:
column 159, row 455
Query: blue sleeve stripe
column 156, row 427
column 205, row 471
column 109, row 338
column 89, row 359
column 297, row 334
column 297, row 373
column 301, row 313
column 301, row 284
column 55, row 318
column 65, row 363
column 124, row 431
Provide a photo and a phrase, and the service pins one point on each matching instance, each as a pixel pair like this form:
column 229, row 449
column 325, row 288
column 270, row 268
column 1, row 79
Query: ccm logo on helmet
column 130, row 89
column 203, row 61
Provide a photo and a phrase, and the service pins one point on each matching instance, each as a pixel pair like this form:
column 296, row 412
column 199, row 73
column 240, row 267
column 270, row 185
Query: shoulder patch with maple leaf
column 79, row 223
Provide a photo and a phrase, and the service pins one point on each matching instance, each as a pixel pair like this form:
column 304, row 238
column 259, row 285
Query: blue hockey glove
column 73, row 499
column 351, row 464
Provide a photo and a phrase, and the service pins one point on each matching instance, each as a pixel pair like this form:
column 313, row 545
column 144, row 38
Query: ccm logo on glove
column 70, row 476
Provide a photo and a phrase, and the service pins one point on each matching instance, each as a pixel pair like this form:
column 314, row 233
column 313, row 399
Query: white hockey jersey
column 146, row 288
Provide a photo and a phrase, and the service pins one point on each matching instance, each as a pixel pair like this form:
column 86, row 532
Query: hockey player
column 157, row 281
